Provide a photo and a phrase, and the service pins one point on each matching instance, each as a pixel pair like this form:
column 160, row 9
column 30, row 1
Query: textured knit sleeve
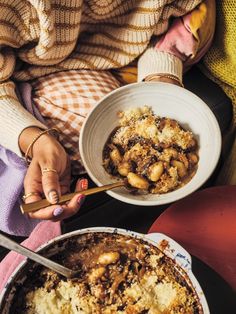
column 14, row 118
column 185, row 42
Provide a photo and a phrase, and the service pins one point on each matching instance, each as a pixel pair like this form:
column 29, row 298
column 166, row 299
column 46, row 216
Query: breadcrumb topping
column 119, row 274
column 154, row 153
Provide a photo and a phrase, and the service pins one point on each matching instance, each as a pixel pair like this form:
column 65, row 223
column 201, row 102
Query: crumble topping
column 119, row 274
column 154, row 153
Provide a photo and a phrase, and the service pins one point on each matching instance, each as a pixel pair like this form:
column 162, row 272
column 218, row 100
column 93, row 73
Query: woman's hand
column 48, row 175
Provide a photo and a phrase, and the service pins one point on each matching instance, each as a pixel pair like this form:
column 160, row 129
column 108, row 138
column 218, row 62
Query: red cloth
column 205, row 225
column 42, row 233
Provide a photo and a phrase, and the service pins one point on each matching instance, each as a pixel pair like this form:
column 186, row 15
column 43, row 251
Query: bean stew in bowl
column 161, row 139
column 155, row 154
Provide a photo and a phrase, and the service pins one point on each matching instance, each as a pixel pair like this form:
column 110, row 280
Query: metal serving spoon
column 31, row 207
column 14, row 246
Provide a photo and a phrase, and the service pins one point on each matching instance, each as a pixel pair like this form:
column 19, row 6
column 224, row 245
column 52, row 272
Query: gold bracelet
column 30, row 147
column 170, row 76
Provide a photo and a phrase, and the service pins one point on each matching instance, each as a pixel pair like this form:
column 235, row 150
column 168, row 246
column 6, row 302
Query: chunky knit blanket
column 220, row 61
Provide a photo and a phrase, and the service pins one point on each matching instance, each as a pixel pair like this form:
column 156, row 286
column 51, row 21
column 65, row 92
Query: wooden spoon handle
column 31, row 207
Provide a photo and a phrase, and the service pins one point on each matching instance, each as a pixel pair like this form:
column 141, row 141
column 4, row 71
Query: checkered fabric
column 65, row 98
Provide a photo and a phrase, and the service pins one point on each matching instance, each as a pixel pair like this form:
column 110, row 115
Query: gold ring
column 24, row 197
column 48, row 170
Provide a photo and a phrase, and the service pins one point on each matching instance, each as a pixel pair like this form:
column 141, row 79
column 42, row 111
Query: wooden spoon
column 31, row 207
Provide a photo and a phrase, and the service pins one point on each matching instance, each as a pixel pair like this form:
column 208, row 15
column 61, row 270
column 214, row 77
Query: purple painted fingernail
column 80, row 199
column 58, row 211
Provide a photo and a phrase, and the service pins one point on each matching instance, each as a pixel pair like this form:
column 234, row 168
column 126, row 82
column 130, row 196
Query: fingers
column 32, row 183
column 65, row 178
column 81, row 184
column 74, row 205
column 50, row 183
column 60, row 212
column 53, row 185
column 65, row 184
column 71, row 208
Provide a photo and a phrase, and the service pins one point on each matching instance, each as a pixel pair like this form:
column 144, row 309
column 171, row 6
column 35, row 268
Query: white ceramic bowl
column 172, row 250
column 166, row 100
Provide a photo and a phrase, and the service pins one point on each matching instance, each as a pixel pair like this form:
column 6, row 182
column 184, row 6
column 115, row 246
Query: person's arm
column 18, row 129
column 14, row 118
column 185, row 42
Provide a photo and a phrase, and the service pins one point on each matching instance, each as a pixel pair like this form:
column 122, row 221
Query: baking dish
column 167, row 245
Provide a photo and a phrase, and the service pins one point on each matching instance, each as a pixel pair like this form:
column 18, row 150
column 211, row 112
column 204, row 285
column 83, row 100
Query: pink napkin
column 42, row 233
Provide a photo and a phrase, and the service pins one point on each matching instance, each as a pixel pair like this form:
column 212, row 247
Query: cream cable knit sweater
column 39, row 37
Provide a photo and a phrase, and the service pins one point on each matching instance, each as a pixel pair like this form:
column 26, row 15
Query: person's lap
column 196, row 82
column 221, row 105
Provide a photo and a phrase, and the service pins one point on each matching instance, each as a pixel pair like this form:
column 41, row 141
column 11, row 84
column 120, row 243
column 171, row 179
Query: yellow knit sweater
column 39, row 37
column 220, row 61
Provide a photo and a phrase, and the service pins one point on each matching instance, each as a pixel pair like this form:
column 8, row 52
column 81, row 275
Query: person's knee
column 220, row 104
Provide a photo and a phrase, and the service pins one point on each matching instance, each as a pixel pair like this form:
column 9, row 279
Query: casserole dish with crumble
column 120, row 272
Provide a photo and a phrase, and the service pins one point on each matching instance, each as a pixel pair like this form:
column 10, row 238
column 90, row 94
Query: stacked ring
column 25, row 196
column 44, row 170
